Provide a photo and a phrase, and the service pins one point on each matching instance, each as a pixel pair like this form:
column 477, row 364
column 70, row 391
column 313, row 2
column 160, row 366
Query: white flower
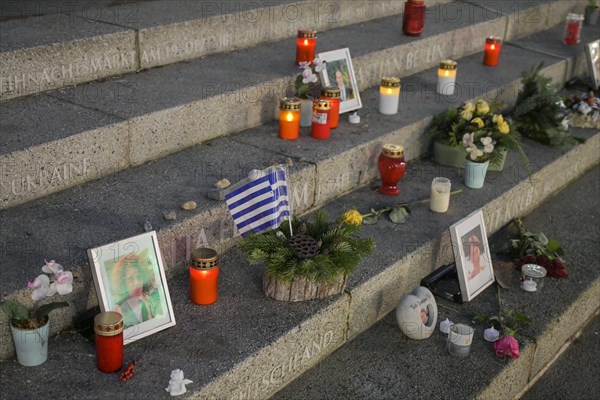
column 63, row 283
column 51, row 267
column 319, row 64
column 304, row 64
column 467, row 139
column 308, row 76
column 40, row 286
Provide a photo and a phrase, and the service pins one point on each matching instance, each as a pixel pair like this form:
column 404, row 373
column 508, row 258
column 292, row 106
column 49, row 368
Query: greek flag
column 260, row 202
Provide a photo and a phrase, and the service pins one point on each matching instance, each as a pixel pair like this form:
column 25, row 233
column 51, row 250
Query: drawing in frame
column 472, row 255
column 592, row 51
column 339, row 72
column 129, row 278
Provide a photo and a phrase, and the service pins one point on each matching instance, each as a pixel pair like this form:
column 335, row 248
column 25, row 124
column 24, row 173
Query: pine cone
column 303, row 245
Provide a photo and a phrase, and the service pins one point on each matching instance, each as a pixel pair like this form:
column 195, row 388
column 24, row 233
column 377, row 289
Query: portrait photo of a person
column 134, row 289
column 338, row 76
column 475, row 263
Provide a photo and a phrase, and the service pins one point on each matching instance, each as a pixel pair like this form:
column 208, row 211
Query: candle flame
column 447, row 73
column 389, row 91
column 493, row 47
column 289, row 117
column 306, row 42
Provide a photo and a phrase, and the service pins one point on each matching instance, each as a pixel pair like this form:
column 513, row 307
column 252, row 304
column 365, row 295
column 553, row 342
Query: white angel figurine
column 177, row 383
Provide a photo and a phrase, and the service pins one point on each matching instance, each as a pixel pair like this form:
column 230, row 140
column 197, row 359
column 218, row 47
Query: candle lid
column 307, row 34
column 493, row 40
column 322, row 105
column 533, row 270
column 390, row 81
column 109, row 323
column 331, row 91
column 448, row 64
column 575, row 16
column 204, row 258
column 393, row 150
column 289, row 103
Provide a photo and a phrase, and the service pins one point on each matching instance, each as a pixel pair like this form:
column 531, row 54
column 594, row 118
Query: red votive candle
column 305, row 45
column 414, row 17
column 204, row 274
column 491, row 56
column 109, row 341
column 573, row 29
column 391, row 168
column 320, row 119
column 332, row 93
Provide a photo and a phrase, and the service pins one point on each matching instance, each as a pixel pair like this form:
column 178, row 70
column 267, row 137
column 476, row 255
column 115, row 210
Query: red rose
column 558, row 269
column 507, row 346
column 543, row 261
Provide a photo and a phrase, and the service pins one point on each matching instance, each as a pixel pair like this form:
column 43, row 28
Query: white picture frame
column 339, row 72
column 472, row 255
column 592, row 52
column 129, row 278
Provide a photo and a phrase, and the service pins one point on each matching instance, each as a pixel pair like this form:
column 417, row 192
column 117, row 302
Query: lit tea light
column 204, row 274
column 306, row 43
column 289, row 118
column 447, row 77
column 491, row 56
column 389, row 95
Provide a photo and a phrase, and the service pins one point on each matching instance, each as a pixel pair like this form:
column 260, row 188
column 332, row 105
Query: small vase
column 391, row 168
column 306, row 111
column 31, row 345
column 475, row 173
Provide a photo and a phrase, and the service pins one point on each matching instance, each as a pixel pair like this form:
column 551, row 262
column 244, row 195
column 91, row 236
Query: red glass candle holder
column 573, row 29
column 332, row 93
column 204, row 276
column 320, row 119
column 391, row 168
column 414, row 17
column 109, row 341
column 289, row 118
column 306, row 42
column 491, row 55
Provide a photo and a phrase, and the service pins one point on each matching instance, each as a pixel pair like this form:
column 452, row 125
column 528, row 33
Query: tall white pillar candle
column 446, row 77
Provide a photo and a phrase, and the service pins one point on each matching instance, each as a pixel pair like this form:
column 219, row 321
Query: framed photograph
column 339, row 72
column 592, row 51
column 472, row 255
column 130, row 279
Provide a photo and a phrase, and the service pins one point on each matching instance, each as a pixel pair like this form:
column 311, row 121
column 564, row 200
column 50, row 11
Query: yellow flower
column 482, row 107
column 469, row 107
column 503, row 127
column 464, row 114
column 353, row 217
column 479, row 122
column 498, row 118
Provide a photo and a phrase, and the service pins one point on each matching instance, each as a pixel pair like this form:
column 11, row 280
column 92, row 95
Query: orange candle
column 491, row 56
column 332, row 93
column 289, row 118
column 305, row 45
column 204, row 274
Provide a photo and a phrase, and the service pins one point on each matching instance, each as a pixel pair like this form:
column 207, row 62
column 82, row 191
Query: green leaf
column 554, row 247
column 481, row 319
column 399, row 215
column 540, row 237
column 370, row 220
column 15, row 310
column 46, row 308
column 521, row 318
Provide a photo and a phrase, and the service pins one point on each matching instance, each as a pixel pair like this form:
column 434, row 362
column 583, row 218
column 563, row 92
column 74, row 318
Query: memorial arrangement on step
column 308, row 259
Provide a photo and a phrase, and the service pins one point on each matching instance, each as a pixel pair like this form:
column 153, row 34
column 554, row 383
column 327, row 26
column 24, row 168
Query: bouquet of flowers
column 584, row 110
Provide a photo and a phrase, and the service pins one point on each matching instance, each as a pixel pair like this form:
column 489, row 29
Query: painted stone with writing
column 417, row 314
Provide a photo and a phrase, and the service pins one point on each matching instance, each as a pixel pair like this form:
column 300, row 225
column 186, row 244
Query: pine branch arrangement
column 538, row 113
column 338, row 249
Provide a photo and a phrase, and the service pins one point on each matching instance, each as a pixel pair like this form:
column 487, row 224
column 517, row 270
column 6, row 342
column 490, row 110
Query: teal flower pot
column 31, row 345
column 449, row 156
column 475, row 173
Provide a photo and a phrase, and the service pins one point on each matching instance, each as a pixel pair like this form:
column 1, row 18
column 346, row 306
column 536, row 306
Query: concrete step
column 112, row 125
column 117, row 206
column 49, row 46
column 382, row 363
column 248, row 347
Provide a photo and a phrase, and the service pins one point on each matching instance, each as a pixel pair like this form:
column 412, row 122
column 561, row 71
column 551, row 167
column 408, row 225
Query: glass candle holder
column 532, row 277
column 306, row 42
column 413, row 22
column 391, row 168
column 320, row 119
column 491, row 55
column 572, row 35
column 108, row 327
column 440, row 194
column 289, row 118
column 459, row 340
column 332, row 93
column 389, row 95
column 204, row 275
column 447, row 77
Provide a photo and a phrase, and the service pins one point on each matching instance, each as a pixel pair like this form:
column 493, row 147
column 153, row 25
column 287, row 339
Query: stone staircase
column 88, row 165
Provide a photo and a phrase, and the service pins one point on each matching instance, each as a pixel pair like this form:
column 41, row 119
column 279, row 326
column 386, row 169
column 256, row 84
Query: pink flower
column 507, row 346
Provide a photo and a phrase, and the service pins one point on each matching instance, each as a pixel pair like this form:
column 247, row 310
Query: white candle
column 389, row 95
column 440, row 195
column 446, row 77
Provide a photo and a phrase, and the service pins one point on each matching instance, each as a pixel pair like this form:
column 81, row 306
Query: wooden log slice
column 301, row 289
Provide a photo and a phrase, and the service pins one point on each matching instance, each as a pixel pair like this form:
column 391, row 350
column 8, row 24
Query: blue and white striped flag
column 260, row 204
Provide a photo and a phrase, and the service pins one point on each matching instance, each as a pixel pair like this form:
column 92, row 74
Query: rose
column 466, row 115
column 507, row 346
column 469, row 107
column 479, row 122
column 498, row 118
column 503, row 127
column 482, row 107
column 352, row 217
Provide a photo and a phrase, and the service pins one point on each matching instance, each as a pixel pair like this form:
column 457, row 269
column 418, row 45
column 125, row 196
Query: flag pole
column 290, row 195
